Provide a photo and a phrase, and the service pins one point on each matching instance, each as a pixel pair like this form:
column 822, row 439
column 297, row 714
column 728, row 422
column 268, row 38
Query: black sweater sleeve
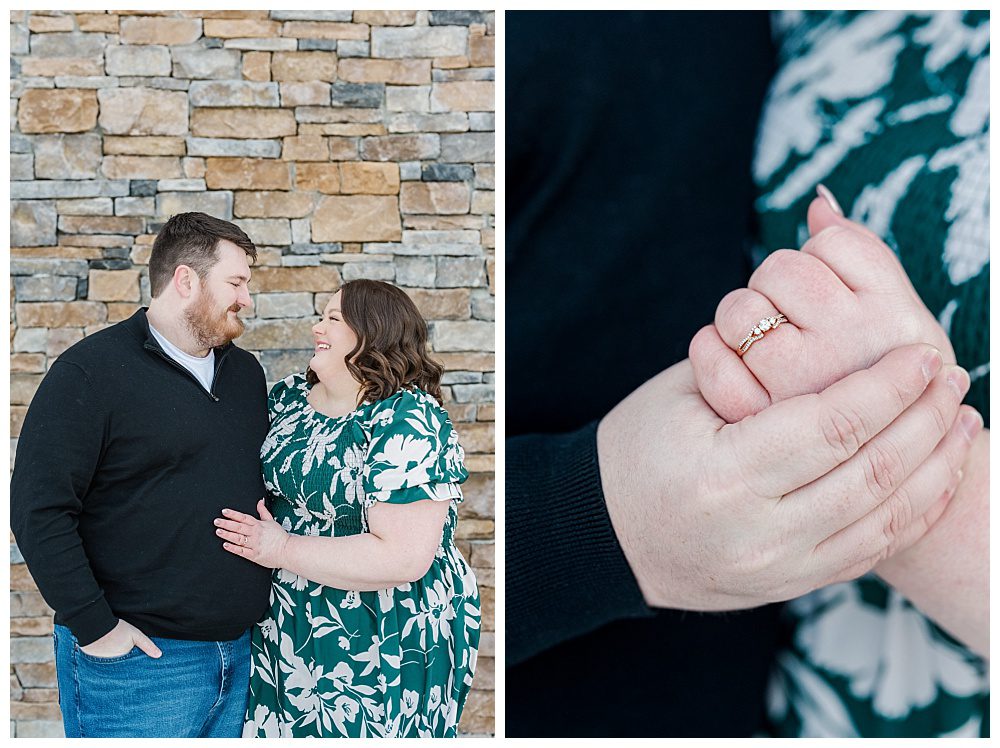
column 57, row 454
column 566, row 573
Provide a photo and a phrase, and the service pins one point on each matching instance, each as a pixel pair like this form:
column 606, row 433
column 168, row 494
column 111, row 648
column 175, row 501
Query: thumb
column 144, row 643
column 262, row 510
column 824, row 212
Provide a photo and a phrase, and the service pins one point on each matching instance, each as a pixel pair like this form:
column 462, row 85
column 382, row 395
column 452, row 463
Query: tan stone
column 22, row 389
column 465, row 412
column 194, row 168
column 36, row 674
column 434, row 197
column 102, row 22
column 43, row 24
column 274, row 334
column 343, row 149
column 483, row 555
column 481, row 50
column 143, row 111
column 305, row 148
column 463, row 96
column 27, row 363
column 121, row 311
column 442, row 222
column 488, row 238
column 101, row 224
column 52, row 66
column 140, row 254
column 449, row 303
column 320, row 177
column 263, row 204
column 400, row 72
column 487, row 596
column 166, row 31
column 241, row 28
column 305, row 93
column 401, row 148
column 98, row 240
column 324, row 30
column 357, row 218
column 486, row 412
column 18, row 412
column 242, row 123
column 483, row 202
column 62, row 252
column 317, row 279
column 469, row 528
column 349, row 130
column 257, row 66
column 363, row 177
column 31, row 627
column 224, row 13
column 141, row 167
column 20, row 577
column 139, row 146
column 304, row 66
column 386, row 17
column 451, row 63
column 57, row 110
column 20, row 710
column 467, row 361
column 477, row 438
column 60, row 313
column 113, row 285
column 480, row 463
column 247, row 174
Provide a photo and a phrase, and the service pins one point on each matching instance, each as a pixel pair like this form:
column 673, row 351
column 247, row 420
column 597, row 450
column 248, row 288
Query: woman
column 374, row 622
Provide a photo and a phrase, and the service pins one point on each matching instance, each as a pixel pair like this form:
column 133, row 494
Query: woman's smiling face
column 333, row 340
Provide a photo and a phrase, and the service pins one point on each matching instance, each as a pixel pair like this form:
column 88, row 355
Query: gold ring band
column 765, row 325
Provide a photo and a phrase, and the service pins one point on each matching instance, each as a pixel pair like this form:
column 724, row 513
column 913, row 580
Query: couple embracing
column 223, row 561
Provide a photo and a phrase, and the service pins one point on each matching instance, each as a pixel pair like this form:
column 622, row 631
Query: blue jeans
column 195, row 690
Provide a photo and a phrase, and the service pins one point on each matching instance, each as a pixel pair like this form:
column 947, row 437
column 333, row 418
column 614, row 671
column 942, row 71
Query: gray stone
column 110, row 264
column 325, row 45
column 273, row 44
column 423, row 249
column 461, row 377
column 458, row 236
column 485, row 177
column 415, row 272
column 383, row 271
column 456, row 17
column 233, row 93
column 460, row 272
column 266, row 231
column 89, row 188
column 135, row 206
column 483, row 305
column 195, row 62
column 180, row 185
column 446, row 172
column 88, row 206
column 31, row 649
column 354, row 48
column 471, row 335
column 67, row 156
column 45, row 288
column 482, row 121
column 218, row 203
column 301, row 231
column 463, row 74
column 309, row 248
column 142, row 188
column 142, row 111
column 87, row 81
column 120, row 253
column 37, row 82
column 276, row 334
column 30, row 339
column 21, row 166
column 490, row 377
column 32, row 223
column 39, row 728
column 137, row 59
column 473, row 393
column 408, row 98
column 300, row 261
column 18, row 39
column 409, row 171
column 279, row 364
column 359, row 95
column 172, row 84
column 415, row 41
column 413, row 122
column 278, row 305
column 15, row 554
column 20, row 144
column 343, row 16
column 233, row 147
column 471, row 147
column 33, row 266
column 69, row 44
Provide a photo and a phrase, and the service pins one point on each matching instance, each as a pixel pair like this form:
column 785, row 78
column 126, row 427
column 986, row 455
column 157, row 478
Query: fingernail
column 958, row 379
column 931, row 364
column 824, row 193
column 972, row 423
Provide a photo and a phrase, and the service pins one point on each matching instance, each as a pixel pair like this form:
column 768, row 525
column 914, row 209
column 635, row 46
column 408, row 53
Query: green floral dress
column 392, row 663
column 890, row 110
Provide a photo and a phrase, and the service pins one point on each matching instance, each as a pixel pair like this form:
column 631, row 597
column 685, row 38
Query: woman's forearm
column 362, row 562
column 946, row 573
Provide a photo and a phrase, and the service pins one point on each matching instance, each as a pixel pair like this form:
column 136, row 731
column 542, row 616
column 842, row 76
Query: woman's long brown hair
column 391, row 353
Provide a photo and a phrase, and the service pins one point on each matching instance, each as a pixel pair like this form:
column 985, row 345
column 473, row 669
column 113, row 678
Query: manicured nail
column 958, row 379
column 931, row 364
column 972, row 423
column 824, row 193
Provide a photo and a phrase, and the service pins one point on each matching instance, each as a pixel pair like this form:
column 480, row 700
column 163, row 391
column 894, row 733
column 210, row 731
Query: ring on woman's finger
column 759, row 330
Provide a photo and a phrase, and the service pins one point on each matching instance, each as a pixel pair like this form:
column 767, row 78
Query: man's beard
column 209, row 329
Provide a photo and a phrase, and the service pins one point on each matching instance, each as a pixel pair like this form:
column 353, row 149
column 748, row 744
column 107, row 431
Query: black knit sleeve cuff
column 92, row 622
column 566, row 573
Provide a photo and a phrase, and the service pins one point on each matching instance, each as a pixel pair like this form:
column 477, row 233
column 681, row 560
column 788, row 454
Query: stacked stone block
column 347, row 144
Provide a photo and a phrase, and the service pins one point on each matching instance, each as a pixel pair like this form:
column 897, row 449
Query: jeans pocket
column 135, row 651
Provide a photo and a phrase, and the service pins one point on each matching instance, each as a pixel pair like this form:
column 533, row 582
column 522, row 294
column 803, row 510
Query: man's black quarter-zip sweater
column 124, row 461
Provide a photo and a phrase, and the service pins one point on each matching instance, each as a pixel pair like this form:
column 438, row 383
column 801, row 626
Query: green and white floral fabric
column 393, row 663
column 891, row 111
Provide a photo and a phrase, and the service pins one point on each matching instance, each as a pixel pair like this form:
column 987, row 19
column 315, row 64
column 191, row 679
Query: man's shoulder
column 104, row 347
column 243, row 358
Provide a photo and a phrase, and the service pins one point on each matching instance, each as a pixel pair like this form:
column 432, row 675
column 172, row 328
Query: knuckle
column 883, row 468
column 843, row 431
column 941, row 417
column 897, row 516
column 729, row 304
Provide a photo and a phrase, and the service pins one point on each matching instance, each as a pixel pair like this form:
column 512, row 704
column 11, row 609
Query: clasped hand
column 262, row 541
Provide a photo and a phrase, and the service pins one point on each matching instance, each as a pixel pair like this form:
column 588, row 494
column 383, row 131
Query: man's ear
column 186, row 281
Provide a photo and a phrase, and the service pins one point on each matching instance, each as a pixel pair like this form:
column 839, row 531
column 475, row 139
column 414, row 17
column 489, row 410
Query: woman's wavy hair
column 391, row 353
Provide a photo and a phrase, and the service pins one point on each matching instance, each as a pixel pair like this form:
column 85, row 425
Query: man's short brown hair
column 192, row 239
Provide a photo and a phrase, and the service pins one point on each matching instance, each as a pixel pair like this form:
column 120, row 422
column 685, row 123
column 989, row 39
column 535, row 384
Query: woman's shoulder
column 411, row 407
column 292, row 387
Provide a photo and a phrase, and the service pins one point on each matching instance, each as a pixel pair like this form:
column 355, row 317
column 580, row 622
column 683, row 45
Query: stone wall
column 346, row 144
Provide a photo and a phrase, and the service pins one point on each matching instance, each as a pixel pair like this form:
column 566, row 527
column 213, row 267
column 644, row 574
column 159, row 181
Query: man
column 136, row 439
